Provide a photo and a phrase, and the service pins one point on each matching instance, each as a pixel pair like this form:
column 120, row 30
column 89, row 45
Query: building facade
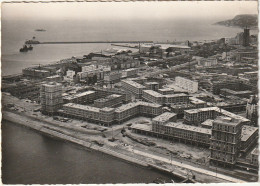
column 225, row 142
column 51, row 97
column 135, row 88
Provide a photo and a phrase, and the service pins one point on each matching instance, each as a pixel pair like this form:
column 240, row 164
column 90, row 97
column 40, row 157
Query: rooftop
column 255, row 151
column 166, row 89
column 154, row 93
column 195, row 100
column 82, row 107
column 134, row 84
column 208, row 122
column 164, row 116
column 135, row 104
column 142, row 127
column 78, row 95
column 222, row 111
column 247, row 131
column 180, row 125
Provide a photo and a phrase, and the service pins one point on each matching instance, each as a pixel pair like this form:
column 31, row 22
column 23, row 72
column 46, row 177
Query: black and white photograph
column 149, row 92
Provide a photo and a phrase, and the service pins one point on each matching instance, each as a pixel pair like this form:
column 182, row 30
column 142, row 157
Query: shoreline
column 90, row 147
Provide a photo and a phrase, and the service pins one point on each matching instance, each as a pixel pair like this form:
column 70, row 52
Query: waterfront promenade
column 64, row 134
column 189, row 167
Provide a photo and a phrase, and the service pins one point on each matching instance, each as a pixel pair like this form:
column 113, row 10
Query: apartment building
column 152, row 85
column 249, row 137
column 197, row 116
column 166, row 91
column 153, row 96
column 80, row 98
column 108, row 116
column 176, row 130
column 255, row 156
column 109, row 101
column 225, row 142
column 164, row 118
column 133, row 87
column 132, row 72
column 103, row 116
column 51, row 97
column 197, row 102
column 187, row 84
column 112, row 77
column 176, row 98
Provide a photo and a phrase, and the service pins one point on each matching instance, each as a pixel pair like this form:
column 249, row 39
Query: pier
column 89, row 42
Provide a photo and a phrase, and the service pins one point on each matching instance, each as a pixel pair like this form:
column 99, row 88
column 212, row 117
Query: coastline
column 90, row 146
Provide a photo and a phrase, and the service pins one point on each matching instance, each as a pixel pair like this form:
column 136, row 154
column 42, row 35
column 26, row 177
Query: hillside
column 249, row 20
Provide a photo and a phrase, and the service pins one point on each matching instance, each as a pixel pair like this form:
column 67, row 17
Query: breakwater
column 86, row 42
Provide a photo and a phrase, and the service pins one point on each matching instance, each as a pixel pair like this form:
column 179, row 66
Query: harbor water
column 29, row 157
column 15, row 32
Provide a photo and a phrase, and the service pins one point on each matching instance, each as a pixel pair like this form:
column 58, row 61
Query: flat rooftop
column 133, row 83
column 216, row 109
column 175, row 95
column 164, row 117
column 78, row 95
column 182, row 126
column 135, row 104
column 247, row 131
column 153, row 93
column 82, row 107
column 142, row 127
column 208, row 122
column 195, row 100
column 166, row 89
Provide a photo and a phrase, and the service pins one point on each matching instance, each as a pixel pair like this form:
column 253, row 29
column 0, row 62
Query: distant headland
column 242, row 21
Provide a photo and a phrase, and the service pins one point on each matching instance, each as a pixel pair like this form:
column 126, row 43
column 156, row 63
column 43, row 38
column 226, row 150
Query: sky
column 128, row 10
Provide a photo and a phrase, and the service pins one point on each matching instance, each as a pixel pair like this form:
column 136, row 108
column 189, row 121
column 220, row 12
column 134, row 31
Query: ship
column 40, row 30
column 32, row 41
column 24, row 49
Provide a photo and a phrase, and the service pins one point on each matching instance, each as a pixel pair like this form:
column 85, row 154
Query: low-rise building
column 55, row 78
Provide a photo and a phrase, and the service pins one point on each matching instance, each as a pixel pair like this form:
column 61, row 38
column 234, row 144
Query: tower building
column 225, row 141
column 51, row 97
